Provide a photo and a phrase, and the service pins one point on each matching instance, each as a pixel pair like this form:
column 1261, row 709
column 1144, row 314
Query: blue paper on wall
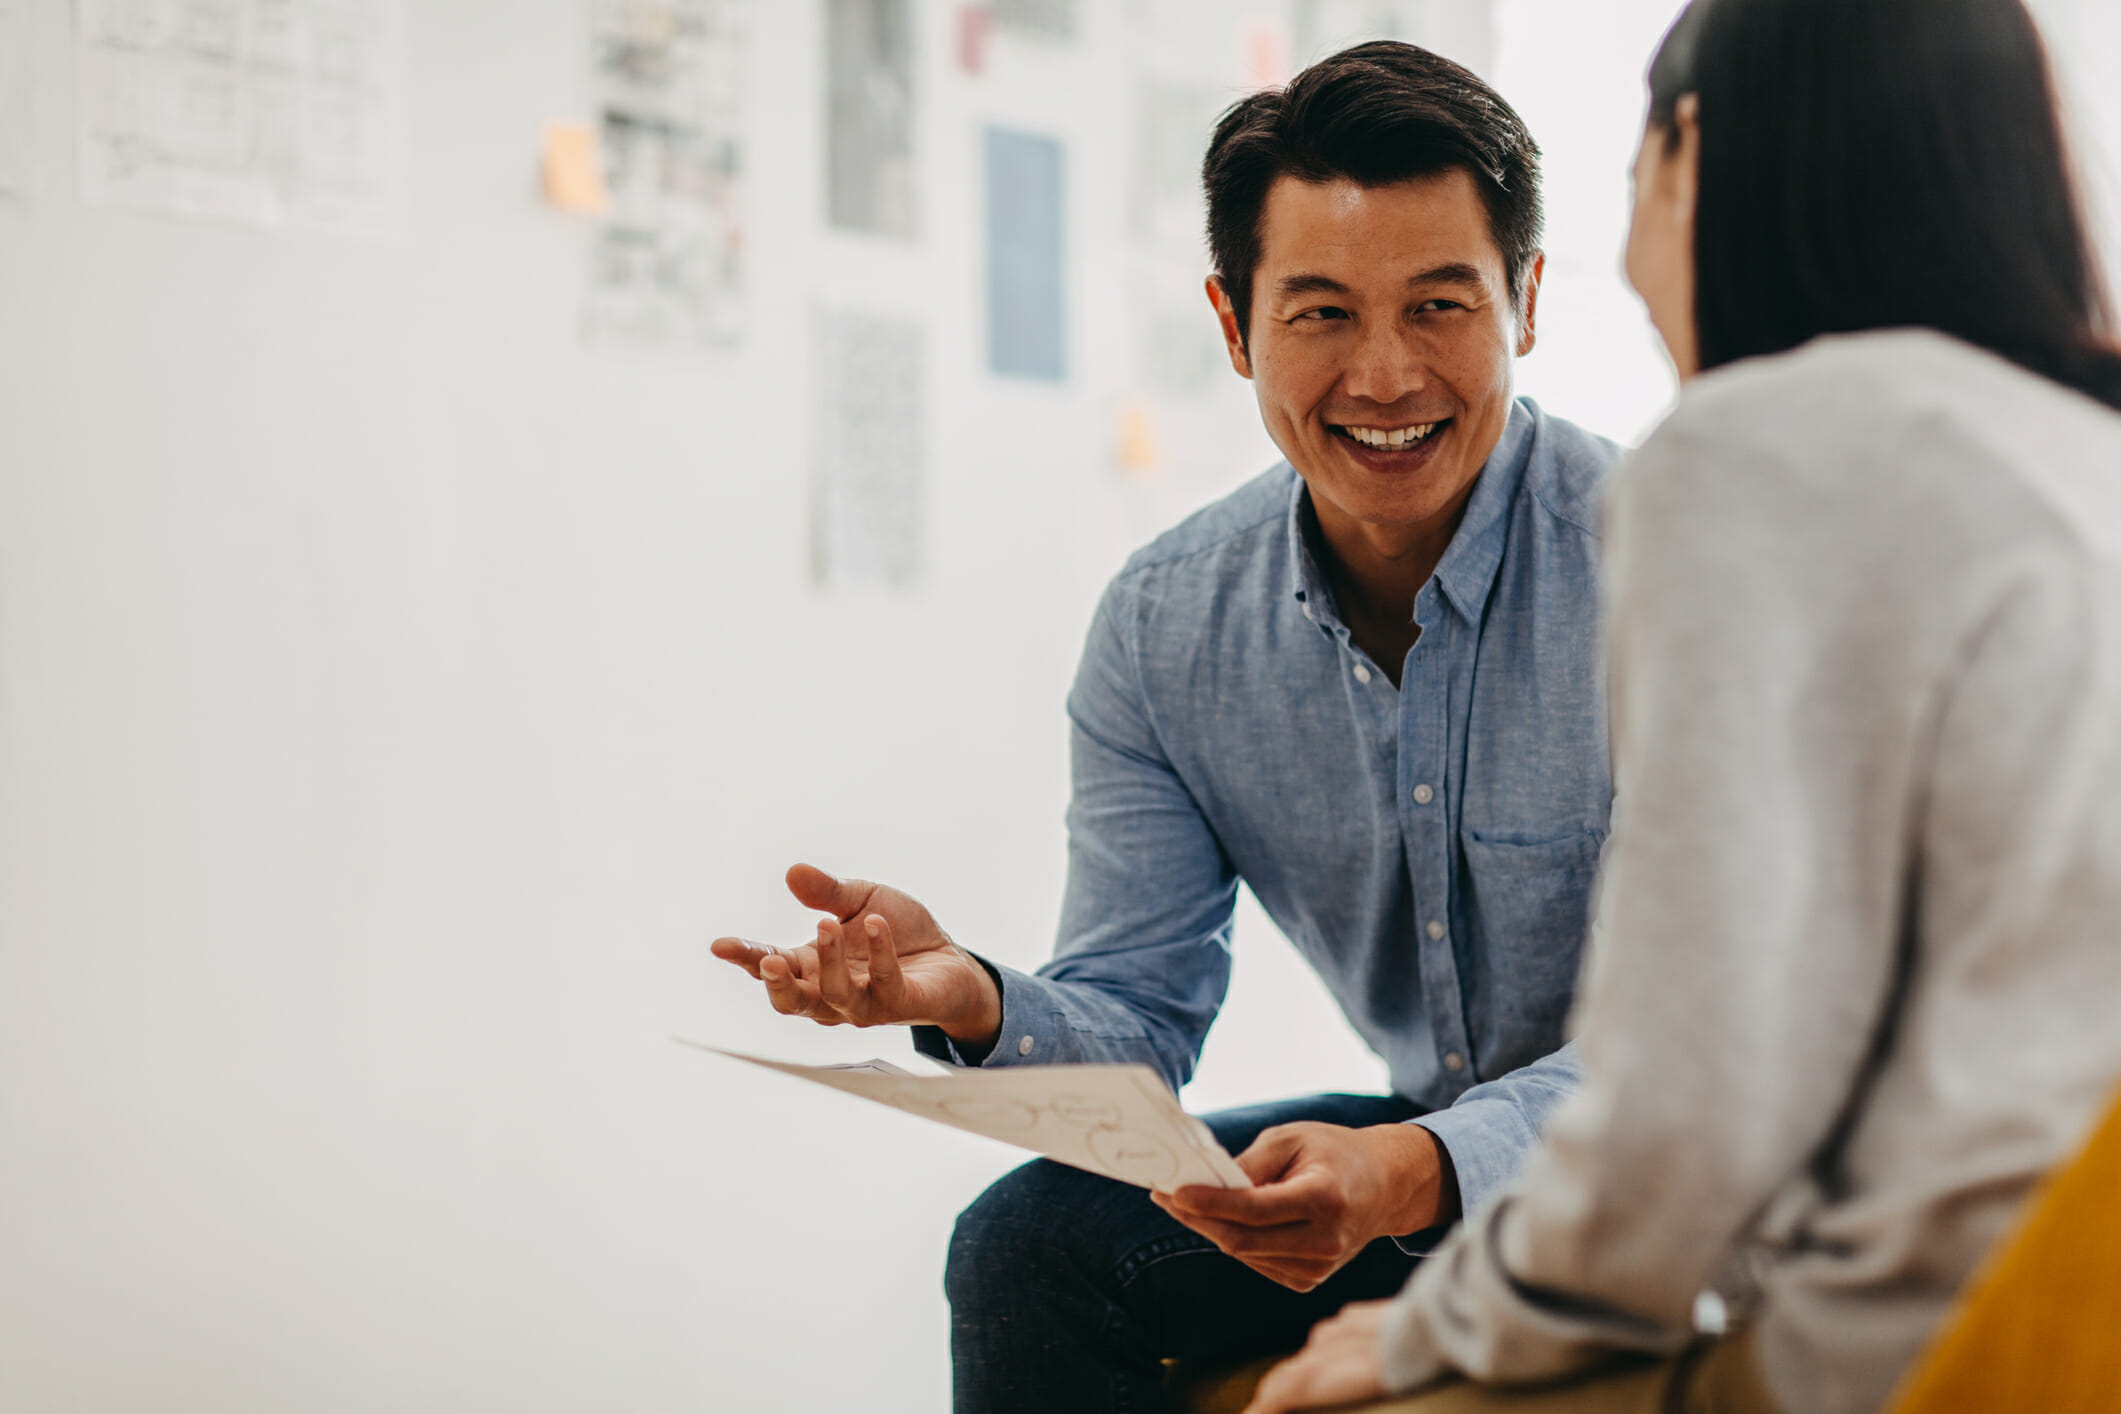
column 1025, row 287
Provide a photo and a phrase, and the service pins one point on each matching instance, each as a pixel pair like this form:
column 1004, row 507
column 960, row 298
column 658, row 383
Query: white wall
column 396, row 695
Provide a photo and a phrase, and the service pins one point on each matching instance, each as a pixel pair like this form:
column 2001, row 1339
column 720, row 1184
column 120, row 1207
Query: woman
column 1853, row 986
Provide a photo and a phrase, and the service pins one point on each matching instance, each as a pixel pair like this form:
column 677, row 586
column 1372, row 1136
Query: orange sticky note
column 1139, row 452
column 574, row 171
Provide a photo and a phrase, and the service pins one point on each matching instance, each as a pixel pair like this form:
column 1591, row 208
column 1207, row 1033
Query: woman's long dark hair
column 1872, row 164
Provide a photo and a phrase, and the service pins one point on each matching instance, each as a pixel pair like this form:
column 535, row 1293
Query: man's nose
column 1385, row 366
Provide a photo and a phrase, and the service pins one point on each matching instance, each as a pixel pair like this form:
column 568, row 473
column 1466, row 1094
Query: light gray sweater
column 1856, row 978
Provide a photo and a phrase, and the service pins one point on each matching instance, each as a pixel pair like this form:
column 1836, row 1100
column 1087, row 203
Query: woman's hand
column 1338, row 1365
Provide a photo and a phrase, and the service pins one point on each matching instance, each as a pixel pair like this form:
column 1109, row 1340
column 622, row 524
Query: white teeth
column 1397, row 437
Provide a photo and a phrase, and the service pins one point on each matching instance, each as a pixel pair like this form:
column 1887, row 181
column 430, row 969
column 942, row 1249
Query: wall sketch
column 867, row 526
column 262, row 111
column 668, row 267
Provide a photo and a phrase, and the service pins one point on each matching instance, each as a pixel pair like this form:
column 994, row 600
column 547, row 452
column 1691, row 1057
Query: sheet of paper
column 1026, row 301
column 868, row 443
column 572, row 169
column 1117, row 1120
column 18, row 99
column 668, row 268
column 869, row 98
column 260, row 111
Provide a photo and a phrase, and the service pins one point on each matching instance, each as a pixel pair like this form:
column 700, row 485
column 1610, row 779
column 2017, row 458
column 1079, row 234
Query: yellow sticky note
column 574, row 171
column 1139, row 452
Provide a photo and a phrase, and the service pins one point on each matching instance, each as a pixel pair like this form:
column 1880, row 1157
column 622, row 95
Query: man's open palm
column 879, row 959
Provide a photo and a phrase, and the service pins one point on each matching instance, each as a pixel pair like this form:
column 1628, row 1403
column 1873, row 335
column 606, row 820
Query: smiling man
column 1365, row 686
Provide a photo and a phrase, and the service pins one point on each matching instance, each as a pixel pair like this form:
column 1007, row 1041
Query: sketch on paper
column 1025, row 282
column 866, row 518
column 18, row 99
column 668, row 265
column 261, row 111
column 1117, row 1120
column 869, row 97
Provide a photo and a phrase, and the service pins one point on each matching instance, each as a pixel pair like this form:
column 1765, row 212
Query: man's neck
column 1377, row 571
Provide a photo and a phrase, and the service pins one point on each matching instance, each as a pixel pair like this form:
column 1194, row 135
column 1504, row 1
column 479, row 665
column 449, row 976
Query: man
column 1364, row 685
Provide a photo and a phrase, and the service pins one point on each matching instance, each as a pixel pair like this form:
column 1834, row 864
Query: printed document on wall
column 669, row 261
column 260, row 111
column 18, row 99
column 866, row 453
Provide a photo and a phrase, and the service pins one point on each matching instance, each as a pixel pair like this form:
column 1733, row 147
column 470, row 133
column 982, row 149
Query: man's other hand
column 1323, row 1193
column 879, row 959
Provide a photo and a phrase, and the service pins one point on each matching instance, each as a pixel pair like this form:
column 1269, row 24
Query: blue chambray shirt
column 1430, row 849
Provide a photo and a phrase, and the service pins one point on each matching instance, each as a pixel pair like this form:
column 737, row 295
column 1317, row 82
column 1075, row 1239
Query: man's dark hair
column 1376, row 114
column 1877, row 164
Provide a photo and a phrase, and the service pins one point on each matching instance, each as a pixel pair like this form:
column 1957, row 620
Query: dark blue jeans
column 1068, row 1290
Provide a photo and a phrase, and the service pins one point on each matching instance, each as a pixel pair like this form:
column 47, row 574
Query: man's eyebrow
column 1456, row 273
column 1289, row 286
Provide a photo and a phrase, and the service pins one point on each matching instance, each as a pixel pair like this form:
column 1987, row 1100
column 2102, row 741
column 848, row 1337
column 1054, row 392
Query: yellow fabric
column 2040, row 1326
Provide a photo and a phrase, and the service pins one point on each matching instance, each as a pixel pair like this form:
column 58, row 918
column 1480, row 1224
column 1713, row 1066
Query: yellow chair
column 2037, row 1331
column 2039, row 1327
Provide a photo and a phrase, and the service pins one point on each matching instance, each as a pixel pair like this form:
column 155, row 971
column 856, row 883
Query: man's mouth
column 1391, row 439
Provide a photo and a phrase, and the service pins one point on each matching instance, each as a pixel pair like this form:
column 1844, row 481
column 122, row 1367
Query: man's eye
column 1326, row 312
column 1439, row 304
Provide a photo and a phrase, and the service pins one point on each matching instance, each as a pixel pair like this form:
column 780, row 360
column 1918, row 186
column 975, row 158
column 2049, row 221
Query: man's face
column 1382, row 338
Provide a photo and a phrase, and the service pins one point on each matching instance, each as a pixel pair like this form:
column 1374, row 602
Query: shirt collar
column 1467, row 569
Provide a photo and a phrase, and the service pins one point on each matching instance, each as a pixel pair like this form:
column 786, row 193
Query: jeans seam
column 1161, row 1250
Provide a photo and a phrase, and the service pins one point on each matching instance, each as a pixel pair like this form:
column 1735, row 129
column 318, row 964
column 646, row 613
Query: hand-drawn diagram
column 867, row 452
column 1117, row 1120
column 669, row 262
column 262, row 111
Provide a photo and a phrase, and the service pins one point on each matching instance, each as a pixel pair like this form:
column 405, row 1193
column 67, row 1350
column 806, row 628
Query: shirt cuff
column 1486, row 1142
column 1030, row 1033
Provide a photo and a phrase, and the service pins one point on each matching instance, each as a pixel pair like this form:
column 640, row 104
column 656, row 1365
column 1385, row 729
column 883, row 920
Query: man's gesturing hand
column 879, row 959
column 1324, row 1193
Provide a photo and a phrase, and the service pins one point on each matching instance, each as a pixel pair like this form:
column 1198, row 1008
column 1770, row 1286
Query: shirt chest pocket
column 1530, row 906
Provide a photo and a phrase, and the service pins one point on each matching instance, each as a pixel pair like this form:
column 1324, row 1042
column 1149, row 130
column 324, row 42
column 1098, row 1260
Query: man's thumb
column 814, row 888
column 1268, row 1157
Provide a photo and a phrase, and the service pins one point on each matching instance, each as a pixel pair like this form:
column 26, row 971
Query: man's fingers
column 1274, row 1205
column 1243, row 1242
column 1269, row 1156
column 784, row 988
column 746, row 955
column 834, row 986
column 884, row 975
column 814, row 888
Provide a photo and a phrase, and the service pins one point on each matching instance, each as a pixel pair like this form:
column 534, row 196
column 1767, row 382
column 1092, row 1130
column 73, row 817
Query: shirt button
column 1436, row 930
column 1309, row 615
column 1362, row 674
column 1023, row 1048
column 1423, row 795
column 1453, row 1061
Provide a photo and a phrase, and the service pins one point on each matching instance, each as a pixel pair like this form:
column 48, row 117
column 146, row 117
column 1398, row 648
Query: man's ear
column 1528, row 306
column 1233, row 333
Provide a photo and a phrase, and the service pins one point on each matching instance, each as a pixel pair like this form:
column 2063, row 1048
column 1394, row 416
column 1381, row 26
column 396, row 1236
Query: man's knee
column 1004, row 1235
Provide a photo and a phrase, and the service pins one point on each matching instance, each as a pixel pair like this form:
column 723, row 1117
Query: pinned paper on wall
column 573, row 169
column 259, row 111
column 18, row 100
column 1026, row 294
column 868, row 444
column 1263, row 51
column 1172, row 124
column 668, row 266
column 870, row 183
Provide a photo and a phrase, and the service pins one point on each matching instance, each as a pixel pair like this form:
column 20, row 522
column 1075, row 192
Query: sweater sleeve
column 1766, row 700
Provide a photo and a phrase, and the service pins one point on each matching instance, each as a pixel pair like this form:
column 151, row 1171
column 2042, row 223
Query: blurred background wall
column 426, row 620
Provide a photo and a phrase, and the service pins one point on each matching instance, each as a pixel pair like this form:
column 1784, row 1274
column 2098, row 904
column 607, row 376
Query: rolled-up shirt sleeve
column 1142, row 962
column 1490, row 1129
